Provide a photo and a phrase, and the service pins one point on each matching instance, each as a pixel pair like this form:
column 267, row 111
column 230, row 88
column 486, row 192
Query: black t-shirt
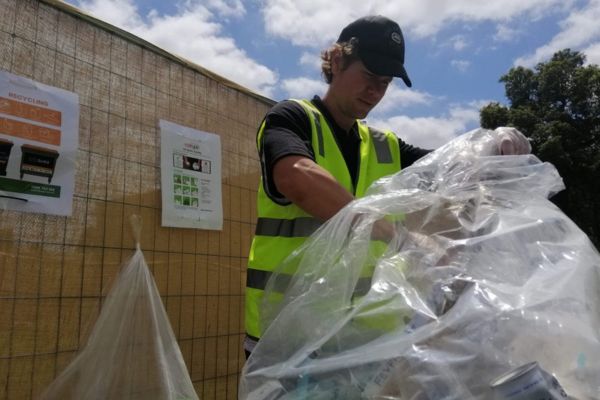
column 288, row 132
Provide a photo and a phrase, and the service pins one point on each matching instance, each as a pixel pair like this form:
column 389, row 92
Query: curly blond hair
column 349, row 52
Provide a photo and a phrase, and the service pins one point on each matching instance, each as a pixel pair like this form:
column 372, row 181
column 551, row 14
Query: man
column 317, row 156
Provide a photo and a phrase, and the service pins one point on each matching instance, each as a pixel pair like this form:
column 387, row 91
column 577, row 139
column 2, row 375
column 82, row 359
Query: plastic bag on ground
column 483, row 275
column 132, row 352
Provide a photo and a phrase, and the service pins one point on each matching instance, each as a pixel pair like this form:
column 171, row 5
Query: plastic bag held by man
column 483, row 276
column 132, row 353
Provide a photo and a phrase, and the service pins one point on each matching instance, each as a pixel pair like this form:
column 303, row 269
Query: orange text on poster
column 27, row 111
column 29, row 131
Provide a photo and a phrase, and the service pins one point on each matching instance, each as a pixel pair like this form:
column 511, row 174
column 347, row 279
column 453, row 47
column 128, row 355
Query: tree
column 557, row 105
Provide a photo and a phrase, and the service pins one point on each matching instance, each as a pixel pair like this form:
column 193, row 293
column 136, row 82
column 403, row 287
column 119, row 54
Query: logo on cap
column 396, row 37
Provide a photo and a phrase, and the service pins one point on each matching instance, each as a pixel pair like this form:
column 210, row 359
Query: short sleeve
column 287, row 132
column 409, row 154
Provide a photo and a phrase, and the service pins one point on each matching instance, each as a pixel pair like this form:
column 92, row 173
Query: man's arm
column 315, row 190
column 309, row 186
column 409, row 153
column 290, row 173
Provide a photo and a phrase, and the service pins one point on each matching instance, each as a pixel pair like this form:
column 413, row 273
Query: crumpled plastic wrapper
column 132, row 352
column 483, row 275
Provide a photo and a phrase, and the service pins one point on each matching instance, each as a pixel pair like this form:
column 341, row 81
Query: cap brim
column 384, row 66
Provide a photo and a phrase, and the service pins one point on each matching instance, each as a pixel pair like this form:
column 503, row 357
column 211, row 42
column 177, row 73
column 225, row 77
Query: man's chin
column 362, row 114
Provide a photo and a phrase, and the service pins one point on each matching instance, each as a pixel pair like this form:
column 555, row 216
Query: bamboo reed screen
column 54, row 271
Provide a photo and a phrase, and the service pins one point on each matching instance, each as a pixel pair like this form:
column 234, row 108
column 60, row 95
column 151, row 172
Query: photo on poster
column 39, row 133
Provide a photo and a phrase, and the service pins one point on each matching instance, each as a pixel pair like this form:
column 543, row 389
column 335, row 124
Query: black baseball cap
column 380, row 45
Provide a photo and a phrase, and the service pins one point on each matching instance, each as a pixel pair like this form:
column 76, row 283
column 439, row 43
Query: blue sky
column 456, row 49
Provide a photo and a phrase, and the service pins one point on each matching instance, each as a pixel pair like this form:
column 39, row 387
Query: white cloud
column 224, row 8
column 459, row 42
column 192, row 33
column 504, row 33
column 593, row 54
column 581, row 28
column 461, row 65
column 432, row 132
column 303, row 87
column 311, row 60
column 399, row 97
column 317, row 23
column 123, row 14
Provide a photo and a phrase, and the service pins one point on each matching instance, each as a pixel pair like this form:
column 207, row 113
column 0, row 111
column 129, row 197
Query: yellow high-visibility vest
column 281, row 229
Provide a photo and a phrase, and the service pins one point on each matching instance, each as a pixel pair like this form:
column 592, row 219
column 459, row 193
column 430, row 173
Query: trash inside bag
column 132, row 352
column 484, row 287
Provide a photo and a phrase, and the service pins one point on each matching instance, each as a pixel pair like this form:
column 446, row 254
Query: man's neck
column 340, row 118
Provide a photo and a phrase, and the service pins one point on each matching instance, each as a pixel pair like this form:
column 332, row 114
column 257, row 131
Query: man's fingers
column 512, row 141
column 507, row 147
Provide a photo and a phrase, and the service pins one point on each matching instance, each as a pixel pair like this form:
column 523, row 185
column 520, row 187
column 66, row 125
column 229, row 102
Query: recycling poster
column 39, row 131
column 190, row 177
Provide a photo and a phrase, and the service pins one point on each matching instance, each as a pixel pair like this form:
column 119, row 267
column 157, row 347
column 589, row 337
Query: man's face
column 357, row 89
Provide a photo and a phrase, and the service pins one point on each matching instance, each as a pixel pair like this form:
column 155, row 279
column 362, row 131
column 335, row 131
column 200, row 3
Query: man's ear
column 336, row 61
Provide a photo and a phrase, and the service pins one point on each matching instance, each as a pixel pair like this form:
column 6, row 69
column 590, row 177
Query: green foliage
column 493, row 115
column 557, row 105
column 520, row 86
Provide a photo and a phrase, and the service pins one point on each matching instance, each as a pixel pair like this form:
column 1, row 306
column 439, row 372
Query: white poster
column 39, row 133
column 190, row 177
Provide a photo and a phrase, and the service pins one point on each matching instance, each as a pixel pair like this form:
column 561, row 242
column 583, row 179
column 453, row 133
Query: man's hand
column 510, row 141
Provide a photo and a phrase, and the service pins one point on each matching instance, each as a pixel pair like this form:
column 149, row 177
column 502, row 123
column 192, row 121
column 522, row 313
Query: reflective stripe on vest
column 319, row 132
column 382, row 148
column 257, row 279
column 297, row 227
column 281, row 229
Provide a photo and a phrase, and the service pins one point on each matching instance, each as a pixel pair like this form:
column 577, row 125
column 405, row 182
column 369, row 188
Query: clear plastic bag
column 132, row 352
column 483, row 275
